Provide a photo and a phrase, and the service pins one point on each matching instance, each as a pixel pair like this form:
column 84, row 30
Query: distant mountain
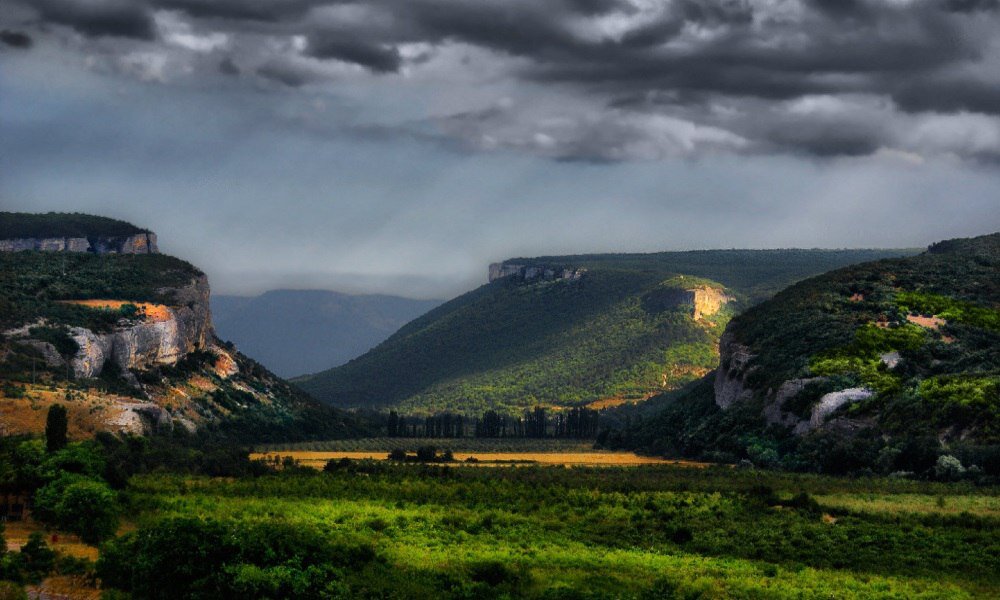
column 294, row 332
column 882, row 366
column 593, row 330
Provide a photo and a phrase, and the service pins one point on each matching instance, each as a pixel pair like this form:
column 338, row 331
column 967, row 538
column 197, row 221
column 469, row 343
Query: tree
column 89, row 509
column 56, row 425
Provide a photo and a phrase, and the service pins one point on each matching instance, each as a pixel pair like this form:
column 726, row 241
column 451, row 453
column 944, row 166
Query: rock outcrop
column 730, row 377
column 138, row 345
column 731, row 388
column 531, row 272
column 140, row 243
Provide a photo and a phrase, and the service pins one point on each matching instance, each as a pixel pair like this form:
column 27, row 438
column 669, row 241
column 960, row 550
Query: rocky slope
column 596, row 330
column 127, row 344
column 887, row 362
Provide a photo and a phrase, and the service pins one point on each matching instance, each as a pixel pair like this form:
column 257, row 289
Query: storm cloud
column 399, row 146
column 647, row 79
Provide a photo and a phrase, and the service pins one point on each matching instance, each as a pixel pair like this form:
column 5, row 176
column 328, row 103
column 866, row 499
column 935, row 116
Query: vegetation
column 32, row 284
column 512, row 345
column 384, row 530
column 921, row 332
column 55, row 428
column 49, row 225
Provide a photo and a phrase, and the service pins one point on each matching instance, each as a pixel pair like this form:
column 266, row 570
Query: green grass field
column 641, row 532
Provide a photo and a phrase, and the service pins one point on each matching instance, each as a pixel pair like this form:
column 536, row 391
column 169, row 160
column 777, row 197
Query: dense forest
column 922, row 333
column 50, row 225
column 513, row 344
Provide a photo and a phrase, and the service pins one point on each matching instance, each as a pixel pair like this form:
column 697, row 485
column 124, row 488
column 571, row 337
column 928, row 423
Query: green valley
column 621, row 328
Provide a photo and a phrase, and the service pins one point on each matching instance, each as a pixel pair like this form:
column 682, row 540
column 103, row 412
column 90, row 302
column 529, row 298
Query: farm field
column 649, row 531
column 318, row 460
column 383, row 445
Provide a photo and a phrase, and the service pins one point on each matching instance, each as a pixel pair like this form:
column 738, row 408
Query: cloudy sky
column 399, row 146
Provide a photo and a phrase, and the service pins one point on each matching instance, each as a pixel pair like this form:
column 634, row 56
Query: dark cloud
column 95, row 18
column 376, row 58
column 253, row 10
column 228, row 67
column 16, row 39
column 733, row 66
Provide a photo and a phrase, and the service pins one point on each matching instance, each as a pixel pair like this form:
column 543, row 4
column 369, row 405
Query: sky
column 399, row 147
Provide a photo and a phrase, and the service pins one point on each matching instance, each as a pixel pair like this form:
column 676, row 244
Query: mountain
column 593, row 330
column 304, row 331
column 122, row 336
column 881, row 366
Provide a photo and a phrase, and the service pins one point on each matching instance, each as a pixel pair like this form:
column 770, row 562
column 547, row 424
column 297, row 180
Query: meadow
column 654, row 531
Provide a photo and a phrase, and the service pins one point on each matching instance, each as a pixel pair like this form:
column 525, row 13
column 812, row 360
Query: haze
column 399, row 147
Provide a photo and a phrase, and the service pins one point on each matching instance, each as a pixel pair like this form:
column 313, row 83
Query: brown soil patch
column 934, row 323
column 155, row 313
column 857, row 297
column 64, row 587
column 17, row 533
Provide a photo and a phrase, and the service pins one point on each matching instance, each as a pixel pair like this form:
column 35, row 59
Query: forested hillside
column 889, row 365
column 618, row 332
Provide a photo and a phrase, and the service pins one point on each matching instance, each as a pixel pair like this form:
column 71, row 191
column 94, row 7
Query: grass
column 642, row 532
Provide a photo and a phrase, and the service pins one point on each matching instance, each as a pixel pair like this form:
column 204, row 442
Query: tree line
column 578, row 422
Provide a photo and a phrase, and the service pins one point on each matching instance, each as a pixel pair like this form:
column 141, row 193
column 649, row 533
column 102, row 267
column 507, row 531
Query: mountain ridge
column 566, row 331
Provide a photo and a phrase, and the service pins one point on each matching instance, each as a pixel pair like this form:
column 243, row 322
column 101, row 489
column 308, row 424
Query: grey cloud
column 16, row 39
column 95, row 18
column 675, row 62
column 376, row 58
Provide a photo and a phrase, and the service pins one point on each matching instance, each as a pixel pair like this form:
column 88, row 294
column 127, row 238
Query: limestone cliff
column 139, row 243
column 733, row 386
column 532, row 272
column 187, row 327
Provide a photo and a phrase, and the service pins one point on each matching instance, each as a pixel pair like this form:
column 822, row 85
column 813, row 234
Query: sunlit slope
column 622, row 331
column 885, row 365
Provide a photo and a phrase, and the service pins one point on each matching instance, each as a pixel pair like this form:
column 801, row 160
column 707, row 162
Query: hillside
column 570, row 330
column 884, row 365
column 126, row 342
column 303, row 331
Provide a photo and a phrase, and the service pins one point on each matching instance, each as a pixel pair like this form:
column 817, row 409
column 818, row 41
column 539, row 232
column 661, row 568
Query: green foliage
column 194, row 558
column 624, row 330
column 844, row 326
column 89, row 509
column 54, row 225
column 461, row 532
column 56, row 425
column 32, row 284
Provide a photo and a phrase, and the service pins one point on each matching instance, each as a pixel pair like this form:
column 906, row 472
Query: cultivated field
column 490, row 459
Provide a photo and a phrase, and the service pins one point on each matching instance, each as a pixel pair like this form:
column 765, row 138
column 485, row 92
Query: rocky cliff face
column 140, row 243
column 732, row 388
column 532, row 272
column 138, row 345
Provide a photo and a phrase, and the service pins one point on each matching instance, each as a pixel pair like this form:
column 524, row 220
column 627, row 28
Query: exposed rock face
column 144, row 344
column 140, row 243
column 704, row 300
column 774, row 412
column 731, row 375
column 707, row 301
column 528, row 273
column 731, row 388
column 829, row 403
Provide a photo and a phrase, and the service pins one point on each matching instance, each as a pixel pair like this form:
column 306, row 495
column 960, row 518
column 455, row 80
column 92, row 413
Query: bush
column 12, row 591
